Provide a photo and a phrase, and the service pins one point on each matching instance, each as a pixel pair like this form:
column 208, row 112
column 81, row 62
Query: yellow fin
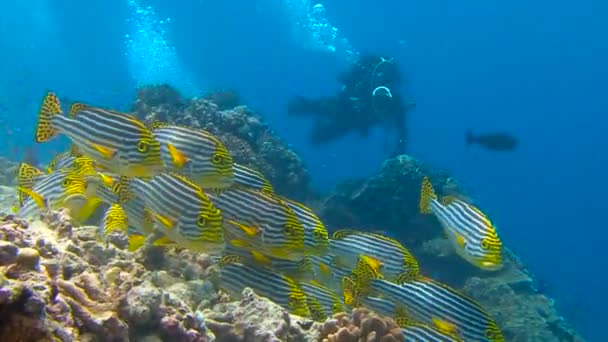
column 164, row 241
column 165, row 221
column 107, row 180
column 121, row 188
column 426, row 195
column 75, row 108
column 44, row 128
column 87, row 210
column 324, row 268
column 38, row 199
column 445, row 326
column 104, row 151
column 373, row 262
column 349, row 291
column 135, row 242
column 250, row 231
column 261, row 258
column 178, row 158
column 460, row 240
column 25, row 179
column 114, row 219
column 239, row 243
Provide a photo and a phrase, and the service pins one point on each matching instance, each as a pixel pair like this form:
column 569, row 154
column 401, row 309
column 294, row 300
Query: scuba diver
column 369, row 96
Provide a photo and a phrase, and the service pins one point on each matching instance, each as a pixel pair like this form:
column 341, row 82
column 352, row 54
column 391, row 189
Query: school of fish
column 168, row 185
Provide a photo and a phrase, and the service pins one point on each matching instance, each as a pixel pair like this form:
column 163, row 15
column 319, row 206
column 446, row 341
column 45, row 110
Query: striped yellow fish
column 469, row 230
column 251, row 178
column 430, row 302
column 132, row 206
column 385, row 254
column 326, row 272
column 322, row 301
column 316, row 238
column 301, row 270
column 387, row 307
column 116, row 141
column 260, row 221
column 27, row 176
column 181, row 211
column 60, row 189
column 416, row 332
column 195, row 153
column 61, row 160
column 236, row 276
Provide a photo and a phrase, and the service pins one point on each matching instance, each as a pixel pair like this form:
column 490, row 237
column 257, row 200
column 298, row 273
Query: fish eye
column 485, row 244
column 66, row 182
column 216, row 158
column 201, row 221
column 142, row 146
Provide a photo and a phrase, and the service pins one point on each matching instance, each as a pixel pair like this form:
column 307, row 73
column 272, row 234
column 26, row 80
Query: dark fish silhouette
column 493, row 141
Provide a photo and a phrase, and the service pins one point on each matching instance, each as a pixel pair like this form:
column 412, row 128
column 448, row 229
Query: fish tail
column 50, row 108
column 469, row 137
column 426, row 195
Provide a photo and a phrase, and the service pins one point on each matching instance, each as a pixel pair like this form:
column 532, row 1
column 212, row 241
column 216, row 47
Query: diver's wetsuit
column 369, row 96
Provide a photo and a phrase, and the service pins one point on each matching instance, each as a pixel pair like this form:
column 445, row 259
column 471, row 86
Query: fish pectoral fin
column 163, row 241
column 135, row 242
column 38, row 199
column 178, row 158
column 261, row 258
column 373, row 262
column 324, row 268
column 107, row 180
column 445, row 326
column 106, row 152
column 249, row 230
column 165, row 221
column 87, row 210
column 460, row 240
column 240, row 243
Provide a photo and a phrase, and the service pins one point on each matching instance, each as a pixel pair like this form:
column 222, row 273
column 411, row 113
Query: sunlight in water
column 152, row 59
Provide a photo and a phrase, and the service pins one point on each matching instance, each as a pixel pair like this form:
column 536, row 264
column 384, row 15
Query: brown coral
column 361, row 326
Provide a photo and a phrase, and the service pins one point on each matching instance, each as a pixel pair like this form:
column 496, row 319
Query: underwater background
column 534, row 69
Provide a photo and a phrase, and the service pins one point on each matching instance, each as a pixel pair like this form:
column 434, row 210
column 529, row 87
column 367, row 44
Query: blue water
column 535, row 69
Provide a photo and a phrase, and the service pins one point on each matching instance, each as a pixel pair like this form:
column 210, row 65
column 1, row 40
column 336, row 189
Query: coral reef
column 361, row 325
column 59, row 283
column 509, row 295
column 251, row 141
